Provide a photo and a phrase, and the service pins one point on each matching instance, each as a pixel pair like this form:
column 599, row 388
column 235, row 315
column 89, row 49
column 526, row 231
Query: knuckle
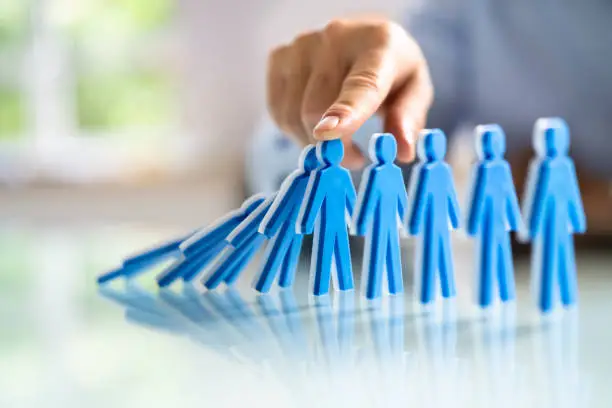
column 366, row 80
column 334, row 27
column 344, row 108
column 380, row 33
column 306, row 40
column 277, row 55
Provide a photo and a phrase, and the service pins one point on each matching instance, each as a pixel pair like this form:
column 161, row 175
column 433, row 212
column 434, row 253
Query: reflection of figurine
column 493, row 208
column 330, row 194
column 553, row 213
column 205, row 244
column 434, row 203
column 243, row 242
column 381, row 200
column 279, row 224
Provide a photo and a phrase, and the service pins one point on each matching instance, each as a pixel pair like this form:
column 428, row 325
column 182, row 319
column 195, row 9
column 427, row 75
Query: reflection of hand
column 327, row 83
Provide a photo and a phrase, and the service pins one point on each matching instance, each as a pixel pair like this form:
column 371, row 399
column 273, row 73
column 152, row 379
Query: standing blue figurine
column 199, row 249
column 434, row 203
column 242, row 244
column 553, row 212
column 381, row 200
column 329, row 196
column 493, row 211
column 279, row 224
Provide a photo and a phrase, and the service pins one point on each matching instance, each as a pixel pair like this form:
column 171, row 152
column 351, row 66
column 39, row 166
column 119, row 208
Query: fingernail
column 326, row 126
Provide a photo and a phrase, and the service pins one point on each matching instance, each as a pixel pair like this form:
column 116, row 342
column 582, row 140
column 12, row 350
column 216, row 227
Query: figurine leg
column 202, row 259
column 275, row 252
column 290, row 262
column 343, row 260
column 374, row 261
column 567, row 273
column 428, row 267
column 447, row 273
column 220, row 266
column 505, row 269
column 547, row 270
column 236, row 268
column 320, row 263
column 486, row 266
column 394, row 263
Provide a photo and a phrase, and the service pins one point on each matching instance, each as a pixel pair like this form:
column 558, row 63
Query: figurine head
column 252, row 203
column 432, row 145
column 383, row 148
column 308, row 159
column 551, row 137
column 490, row 142
column 330, row 152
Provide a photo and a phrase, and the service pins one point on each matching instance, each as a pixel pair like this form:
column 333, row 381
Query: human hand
column 327, row 83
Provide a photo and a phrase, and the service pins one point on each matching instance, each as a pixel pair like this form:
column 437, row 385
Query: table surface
column 64, row 342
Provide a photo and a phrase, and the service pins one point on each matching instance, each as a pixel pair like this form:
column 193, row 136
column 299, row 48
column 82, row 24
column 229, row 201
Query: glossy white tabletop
column 65, row 343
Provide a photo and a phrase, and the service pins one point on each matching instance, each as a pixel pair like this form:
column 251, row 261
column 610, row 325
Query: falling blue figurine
column 494, row 210
column 381, row 202
column 553, row 213
column 434, row 203
column 329, row 196
column 279, row 224
column 202, row 247
column 139, row 262
column 242, row 244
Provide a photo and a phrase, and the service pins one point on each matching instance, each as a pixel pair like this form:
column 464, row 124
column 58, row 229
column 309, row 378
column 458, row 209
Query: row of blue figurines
column 319, row 199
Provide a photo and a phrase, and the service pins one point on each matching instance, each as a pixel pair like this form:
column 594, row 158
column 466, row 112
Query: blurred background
column 131, row 97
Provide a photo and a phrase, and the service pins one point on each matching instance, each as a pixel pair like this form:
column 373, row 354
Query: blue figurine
column 141, row 261
column 553, row 213
column 434, row 203
column 242, row 244
column 329, row 196
column 381, row 200
column 494, row 210
column 279, row 224
column 204, row 245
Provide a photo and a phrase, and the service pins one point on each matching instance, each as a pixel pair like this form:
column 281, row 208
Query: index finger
column 364, row 89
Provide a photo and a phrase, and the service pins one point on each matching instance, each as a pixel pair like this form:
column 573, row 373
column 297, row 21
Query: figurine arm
column 415, row 217
column 277, row 213
column 209, row 235
column 513, row 212
column 402, row 197
column 453, row 204
column 476, row 206
column 535, row 204
column 576, row 210
column 313, row 199
column 247, row 229
column 365, row 203
column 350, row 194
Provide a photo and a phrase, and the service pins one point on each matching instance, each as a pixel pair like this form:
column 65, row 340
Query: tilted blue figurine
column 138, row 263
column 279, row 224
column 329, row 196
column 493, row 211
column 199, row 249
column 381, row 201
column 242, row 244
column 553, row 213
column 434, row 203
